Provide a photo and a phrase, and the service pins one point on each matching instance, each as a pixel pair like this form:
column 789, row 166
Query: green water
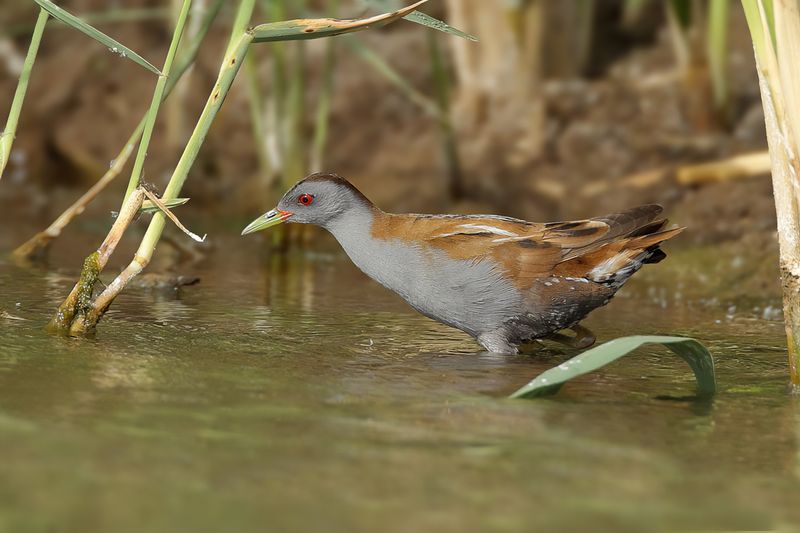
column 304, row 397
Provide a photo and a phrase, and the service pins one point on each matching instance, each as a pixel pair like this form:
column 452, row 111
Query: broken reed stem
column 158, row 97
column 37, row 245
column 228, row 71
column 10, row 131
column 156, row 201
column 78, row 303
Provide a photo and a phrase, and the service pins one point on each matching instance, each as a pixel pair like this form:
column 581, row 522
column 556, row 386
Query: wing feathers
column 603, row 249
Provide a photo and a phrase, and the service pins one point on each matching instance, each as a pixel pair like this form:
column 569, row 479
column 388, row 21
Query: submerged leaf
column 316, row 28
column 97, row 35
column 690, row 350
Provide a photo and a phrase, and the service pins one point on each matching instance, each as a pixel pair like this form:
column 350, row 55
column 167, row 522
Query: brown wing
column 529, row 251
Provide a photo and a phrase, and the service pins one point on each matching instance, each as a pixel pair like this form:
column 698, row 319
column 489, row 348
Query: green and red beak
column 267, row 220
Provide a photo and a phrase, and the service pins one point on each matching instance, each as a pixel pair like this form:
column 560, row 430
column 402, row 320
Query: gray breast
column 470, row 295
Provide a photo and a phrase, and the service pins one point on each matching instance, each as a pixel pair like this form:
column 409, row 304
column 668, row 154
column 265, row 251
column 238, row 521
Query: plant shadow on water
column 246, row 401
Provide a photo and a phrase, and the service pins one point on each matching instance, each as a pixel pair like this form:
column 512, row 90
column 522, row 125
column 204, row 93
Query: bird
column 504, row 281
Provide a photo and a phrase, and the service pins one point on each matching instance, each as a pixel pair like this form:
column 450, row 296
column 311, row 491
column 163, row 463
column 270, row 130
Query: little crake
column 502, row 280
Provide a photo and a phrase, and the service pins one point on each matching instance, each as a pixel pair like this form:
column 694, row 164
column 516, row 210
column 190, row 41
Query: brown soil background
column 626, row 116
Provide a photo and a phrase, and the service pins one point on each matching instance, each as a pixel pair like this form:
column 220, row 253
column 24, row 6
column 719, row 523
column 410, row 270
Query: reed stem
column 255, row 97
column 776, row 40
column 37, row 245
column 230, row 67
column 10, row 131
column 717, row 50
column 158, row 97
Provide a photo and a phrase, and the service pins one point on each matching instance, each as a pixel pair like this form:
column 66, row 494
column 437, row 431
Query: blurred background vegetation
column 564, row 109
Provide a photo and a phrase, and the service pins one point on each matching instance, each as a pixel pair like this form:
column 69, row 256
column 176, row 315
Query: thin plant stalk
column 10, row 131
column 295, row 167
column 241, row 21
column 158, row 97
column 174, row 109
column 447, row 132
column 276, row 134
column 37, row 245
column 322, row 122
column 717, row 51
column 425, row 103
column 257, row 117
column 278, row 140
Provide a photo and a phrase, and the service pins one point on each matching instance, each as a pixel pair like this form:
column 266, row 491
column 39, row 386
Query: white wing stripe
column 490, row 229
column 510, row 239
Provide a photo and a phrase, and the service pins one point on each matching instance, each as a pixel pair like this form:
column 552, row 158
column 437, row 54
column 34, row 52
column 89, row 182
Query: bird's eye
column 305, row 199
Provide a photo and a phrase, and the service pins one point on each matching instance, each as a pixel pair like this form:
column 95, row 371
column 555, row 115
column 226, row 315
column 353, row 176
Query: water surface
column 301, row 396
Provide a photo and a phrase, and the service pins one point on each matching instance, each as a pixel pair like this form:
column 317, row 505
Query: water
column 301, row 396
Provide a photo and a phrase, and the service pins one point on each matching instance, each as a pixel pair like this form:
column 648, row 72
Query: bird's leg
column 496, row 342
column 583, row 337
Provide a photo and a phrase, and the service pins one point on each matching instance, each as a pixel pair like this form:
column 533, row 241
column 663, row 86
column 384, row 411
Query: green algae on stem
column 71, row 316
column 80, row 299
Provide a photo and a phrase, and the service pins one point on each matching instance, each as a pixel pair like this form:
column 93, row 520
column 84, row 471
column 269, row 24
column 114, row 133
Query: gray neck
column 384, row 261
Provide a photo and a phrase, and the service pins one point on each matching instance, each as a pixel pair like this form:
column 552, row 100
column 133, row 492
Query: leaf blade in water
column 690, row 350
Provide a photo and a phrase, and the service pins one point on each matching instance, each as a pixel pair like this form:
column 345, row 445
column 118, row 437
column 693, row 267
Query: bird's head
column 318, row 199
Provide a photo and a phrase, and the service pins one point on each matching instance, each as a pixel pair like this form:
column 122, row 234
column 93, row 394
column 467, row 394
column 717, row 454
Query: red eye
column 305, row 199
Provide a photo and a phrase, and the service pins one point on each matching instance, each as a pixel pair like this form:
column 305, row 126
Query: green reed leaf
column 421, row 18
column 298, row 29
column 115, row 46
column 150, row 207
column 426, row 20
column 690, row 350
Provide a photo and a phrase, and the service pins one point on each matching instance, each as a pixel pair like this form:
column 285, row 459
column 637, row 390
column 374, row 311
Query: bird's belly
column 472, row 296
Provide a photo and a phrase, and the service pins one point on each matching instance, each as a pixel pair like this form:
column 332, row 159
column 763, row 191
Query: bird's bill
column 267, row 220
